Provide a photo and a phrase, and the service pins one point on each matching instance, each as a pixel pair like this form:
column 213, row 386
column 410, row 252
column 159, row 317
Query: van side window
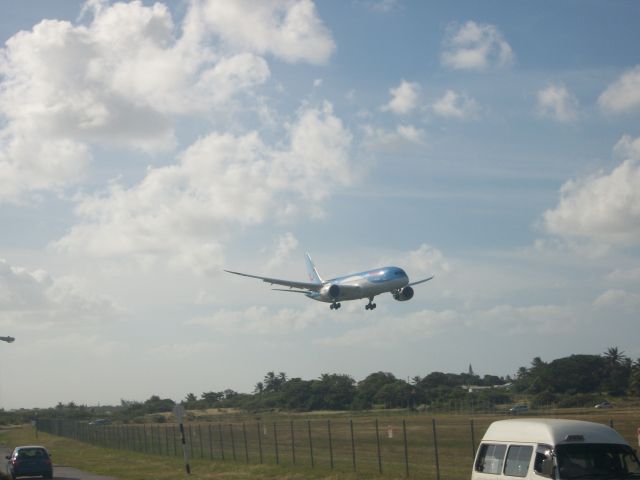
column 490, row 458
column 543, row 464
column 518, row 459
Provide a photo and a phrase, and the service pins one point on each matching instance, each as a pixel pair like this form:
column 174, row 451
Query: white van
column 553, row 448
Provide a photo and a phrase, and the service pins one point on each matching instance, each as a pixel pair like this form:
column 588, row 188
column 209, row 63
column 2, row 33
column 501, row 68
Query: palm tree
column 614, row 357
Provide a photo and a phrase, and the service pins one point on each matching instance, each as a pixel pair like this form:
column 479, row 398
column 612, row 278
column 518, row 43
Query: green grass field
column 241, row 446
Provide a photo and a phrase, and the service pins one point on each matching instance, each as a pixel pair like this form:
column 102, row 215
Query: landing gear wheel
column 370, row 305
column 334, row 306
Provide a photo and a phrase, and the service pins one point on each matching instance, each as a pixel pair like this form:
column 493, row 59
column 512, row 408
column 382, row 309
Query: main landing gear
column 370, row 305
column 334, row 306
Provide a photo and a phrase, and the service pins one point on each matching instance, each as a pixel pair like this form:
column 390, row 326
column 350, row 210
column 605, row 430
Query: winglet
column 312, row 271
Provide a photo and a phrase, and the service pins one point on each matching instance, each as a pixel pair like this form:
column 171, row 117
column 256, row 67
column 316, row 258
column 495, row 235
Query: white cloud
column 628, row 148
column 624, row 94
column 35, row 299
column 184, row 214
column 392, row 331
column 121, row 79
column 455, row 105
column 619, row 299
column 505, row 320
column 474, row 46
column 285, row 245
column 117, row 81
column 376, row 138
column 558, row 103
column 404, row 98
column 260, row 321
column 603, row 207
column 290, row 29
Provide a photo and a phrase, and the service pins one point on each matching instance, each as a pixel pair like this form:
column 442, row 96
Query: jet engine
column 334, row 292
column 403, row 294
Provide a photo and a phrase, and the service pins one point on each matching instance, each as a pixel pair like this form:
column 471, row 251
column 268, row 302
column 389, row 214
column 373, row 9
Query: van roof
column 552, row 431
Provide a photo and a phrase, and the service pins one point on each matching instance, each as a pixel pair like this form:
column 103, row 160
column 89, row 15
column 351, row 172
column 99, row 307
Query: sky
column 146, row 147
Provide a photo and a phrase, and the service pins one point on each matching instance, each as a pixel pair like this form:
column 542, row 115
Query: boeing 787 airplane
column 350, row 287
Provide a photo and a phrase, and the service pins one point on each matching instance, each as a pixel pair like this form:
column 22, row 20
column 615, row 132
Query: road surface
column 60, row 472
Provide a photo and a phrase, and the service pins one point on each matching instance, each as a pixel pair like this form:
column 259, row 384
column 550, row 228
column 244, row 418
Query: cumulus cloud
column 290, row 30
column 184, row 213
column 475, row 46
column 36, row 299
column 404, row 98
column 623, row 95
column 604, row 207
column 376, row 138
column 122, row 79
column 557, row 103
column 285, row 245
column 455, row 105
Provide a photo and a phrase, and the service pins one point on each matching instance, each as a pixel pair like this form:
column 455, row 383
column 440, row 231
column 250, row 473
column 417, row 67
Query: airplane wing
column 314, row 287
column 420, row 281
column 290, row 290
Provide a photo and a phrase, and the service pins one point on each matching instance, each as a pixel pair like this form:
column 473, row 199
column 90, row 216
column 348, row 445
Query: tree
column 613, row 356
column 370, row 386
column 333, row 392
column 634, row 381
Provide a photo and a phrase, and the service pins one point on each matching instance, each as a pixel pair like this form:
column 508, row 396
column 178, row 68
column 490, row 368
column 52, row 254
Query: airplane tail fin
column 312, row 271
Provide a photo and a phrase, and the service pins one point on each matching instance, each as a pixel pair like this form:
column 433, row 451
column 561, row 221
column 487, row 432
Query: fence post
column 175, row 447
column 293, row 443
column 378, row 445
column 353, row 445
column 221, row 440
column 435, row 446
column 406, row 448
column 201, row 441
column 473, row 440
column 275, row 441
column 233, row 442
column 330, row 444
column 210, row 442
column 246, row 445
column 310, row 443
column 260, row 441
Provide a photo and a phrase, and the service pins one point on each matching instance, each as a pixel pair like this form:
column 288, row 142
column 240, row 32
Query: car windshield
column 32, row 453
column 597, row 460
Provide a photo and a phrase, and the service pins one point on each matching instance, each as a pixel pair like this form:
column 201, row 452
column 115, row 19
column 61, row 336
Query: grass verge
column 135, row 466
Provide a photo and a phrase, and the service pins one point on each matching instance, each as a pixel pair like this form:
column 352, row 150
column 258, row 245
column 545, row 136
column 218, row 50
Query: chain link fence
column 442, row 449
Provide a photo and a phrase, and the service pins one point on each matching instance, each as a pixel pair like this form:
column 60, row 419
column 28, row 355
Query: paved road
column 60, row 472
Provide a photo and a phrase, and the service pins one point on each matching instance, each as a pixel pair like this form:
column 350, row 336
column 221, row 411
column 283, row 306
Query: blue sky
column 145, row 147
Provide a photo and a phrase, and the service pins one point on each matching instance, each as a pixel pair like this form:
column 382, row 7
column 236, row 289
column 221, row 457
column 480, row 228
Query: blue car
column 30, row 461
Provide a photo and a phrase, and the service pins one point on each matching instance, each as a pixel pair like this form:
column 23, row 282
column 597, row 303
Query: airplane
column 349, row 287
column 7, row 339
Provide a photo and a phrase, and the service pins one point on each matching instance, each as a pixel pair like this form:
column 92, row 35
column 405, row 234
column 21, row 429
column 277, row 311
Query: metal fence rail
column 421, row 447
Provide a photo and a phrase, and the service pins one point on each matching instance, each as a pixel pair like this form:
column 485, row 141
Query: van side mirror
column 546, row 467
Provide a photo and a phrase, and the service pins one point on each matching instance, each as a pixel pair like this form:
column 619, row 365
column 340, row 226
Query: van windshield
column 596, row 460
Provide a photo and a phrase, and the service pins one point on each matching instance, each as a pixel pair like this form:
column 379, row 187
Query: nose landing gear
column 334, row 306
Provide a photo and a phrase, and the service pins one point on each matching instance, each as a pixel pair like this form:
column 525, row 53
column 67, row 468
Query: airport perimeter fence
column 440, row 449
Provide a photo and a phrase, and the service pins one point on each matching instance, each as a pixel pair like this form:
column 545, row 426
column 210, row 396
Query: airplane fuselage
column 361, row 285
